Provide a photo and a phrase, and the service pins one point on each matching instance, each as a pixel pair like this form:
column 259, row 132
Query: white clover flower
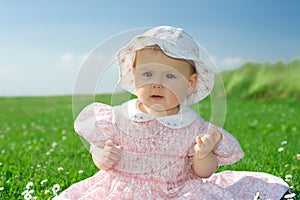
column 256, row 197
column 60, row 169
column 283, row 142
column 55, row 189
column 64, row 137
column 1, row 188
column 43, row 181
column 288, row 177
column 27, row 196
column 54, row 144
column 280, row 149
column 289, row 196
column 29, row 185
column 283, row 127
column 2, row 163
column 80, row 171
column 47, row 191
column 298, row 156
column 287, row 165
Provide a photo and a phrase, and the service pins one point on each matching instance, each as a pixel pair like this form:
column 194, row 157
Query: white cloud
column 68, row 60
column 67, row 57
column 230, row 63
column 100, row 70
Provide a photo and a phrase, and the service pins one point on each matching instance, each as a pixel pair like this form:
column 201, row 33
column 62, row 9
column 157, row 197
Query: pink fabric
column 156, row 162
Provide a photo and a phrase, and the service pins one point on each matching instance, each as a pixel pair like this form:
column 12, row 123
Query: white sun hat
column 174, row 42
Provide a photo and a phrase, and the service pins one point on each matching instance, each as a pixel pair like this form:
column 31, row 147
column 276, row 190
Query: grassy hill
column 264, row 80
column 252, row 80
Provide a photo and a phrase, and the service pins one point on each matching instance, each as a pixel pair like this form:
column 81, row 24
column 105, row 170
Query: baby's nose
column 157, row 81
column 155, row 85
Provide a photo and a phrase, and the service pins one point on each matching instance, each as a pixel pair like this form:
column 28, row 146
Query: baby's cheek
column 179, row 91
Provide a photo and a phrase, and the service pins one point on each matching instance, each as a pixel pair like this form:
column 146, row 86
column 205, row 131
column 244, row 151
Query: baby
column 155, row 146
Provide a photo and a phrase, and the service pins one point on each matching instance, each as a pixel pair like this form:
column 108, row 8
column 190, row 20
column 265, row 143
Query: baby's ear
column 193, row 80
column 192, row 83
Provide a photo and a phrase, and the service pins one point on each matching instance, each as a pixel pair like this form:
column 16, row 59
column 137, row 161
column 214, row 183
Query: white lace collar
column 185, row 116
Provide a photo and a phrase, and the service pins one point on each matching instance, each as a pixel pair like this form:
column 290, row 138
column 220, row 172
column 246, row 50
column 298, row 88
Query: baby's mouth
column 156, row 97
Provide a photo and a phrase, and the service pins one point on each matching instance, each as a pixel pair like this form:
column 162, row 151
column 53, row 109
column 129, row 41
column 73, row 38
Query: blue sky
column 43, row 43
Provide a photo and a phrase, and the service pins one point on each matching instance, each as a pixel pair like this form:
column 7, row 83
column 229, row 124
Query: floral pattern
column 156, row 163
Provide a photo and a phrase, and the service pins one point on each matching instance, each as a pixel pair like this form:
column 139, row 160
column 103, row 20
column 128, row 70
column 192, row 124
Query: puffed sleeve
column 95, row 124
column 228, row 150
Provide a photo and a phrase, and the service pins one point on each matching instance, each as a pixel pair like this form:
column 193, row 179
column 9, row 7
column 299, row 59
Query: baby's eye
column 147, row 74
column 170, row 76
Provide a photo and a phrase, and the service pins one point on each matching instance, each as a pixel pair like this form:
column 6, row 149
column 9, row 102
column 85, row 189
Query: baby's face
column 162, row 82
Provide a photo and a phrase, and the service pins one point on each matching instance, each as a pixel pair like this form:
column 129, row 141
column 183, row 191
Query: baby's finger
column 199, row 141
column 115, row 150
column 108, row 162
column 215, row 134
column 110, row 143
column 212, row 130
column 120, row 147
column 208, row 140
column 111, row 152
column 119, row 150
column 112, row 156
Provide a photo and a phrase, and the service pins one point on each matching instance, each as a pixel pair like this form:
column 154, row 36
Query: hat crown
column 175, row 42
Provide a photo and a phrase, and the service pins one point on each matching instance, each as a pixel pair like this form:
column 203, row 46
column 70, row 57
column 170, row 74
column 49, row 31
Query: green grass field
column 39, row 150
column 40, row 154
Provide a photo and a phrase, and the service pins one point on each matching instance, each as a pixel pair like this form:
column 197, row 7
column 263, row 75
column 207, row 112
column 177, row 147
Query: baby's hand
column 109, row 155
column 208, row 142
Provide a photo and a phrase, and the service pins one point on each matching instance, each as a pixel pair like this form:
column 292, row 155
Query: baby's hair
column 157, row 48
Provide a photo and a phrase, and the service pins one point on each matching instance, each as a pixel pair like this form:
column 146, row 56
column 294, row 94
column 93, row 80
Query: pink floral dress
column 156, row 163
